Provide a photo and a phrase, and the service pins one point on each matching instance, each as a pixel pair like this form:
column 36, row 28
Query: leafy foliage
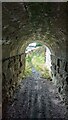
column 36, row 58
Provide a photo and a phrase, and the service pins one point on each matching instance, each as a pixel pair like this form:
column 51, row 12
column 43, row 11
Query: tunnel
column 24, row 23
column 38, row 57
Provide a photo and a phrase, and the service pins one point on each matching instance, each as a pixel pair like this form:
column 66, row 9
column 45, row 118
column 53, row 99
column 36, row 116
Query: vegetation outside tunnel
column 36, row 58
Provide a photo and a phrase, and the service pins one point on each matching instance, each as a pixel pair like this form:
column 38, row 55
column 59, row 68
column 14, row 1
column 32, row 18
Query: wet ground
column 36, row 98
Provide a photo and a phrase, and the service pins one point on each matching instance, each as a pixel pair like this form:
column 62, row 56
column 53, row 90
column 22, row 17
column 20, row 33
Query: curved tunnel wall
column 22, row 24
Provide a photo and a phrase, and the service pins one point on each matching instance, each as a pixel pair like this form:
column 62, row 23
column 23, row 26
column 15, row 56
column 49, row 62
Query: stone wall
column 59, row 71
column 12, row 69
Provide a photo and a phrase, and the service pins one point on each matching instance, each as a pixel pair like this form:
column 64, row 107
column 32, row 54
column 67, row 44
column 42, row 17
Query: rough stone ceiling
column 41, row 21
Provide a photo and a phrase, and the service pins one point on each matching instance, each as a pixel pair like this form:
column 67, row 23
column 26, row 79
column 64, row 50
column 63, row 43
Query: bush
column 36, row 59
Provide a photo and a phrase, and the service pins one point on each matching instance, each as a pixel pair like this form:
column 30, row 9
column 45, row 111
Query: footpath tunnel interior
column 24, row 23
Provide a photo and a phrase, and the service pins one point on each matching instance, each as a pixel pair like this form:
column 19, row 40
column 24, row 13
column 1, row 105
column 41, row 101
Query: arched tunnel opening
column 33, row 96
column 38, row 60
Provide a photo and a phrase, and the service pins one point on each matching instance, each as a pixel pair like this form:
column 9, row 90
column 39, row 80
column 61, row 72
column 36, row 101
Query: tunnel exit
column 38, row 61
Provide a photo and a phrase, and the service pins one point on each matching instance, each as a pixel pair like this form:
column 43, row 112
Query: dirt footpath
column 35, row 98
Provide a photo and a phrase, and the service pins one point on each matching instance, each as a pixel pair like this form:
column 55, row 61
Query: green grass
column 28, row 71
column 37, row 59
column 45, row 74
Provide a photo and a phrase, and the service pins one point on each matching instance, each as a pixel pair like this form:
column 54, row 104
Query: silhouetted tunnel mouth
column 38, row 60
column 40, row 23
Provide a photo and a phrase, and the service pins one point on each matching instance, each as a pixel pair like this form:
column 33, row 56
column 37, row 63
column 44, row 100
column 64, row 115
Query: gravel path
column 35, row 98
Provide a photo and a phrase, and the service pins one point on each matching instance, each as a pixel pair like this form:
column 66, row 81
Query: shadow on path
column 35, row 98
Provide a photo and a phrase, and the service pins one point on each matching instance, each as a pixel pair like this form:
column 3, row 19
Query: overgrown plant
column 36, row 58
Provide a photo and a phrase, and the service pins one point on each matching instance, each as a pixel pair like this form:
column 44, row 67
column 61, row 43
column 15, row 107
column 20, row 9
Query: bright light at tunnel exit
column 32, row 46
column 48, row 58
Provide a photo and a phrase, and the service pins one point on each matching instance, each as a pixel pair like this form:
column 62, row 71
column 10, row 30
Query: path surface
column 36, row 98
column 36, row 74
